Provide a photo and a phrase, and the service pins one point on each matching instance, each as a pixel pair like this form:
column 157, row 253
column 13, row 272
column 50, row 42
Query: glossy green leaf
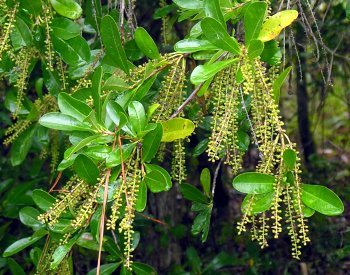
column 255, row 48
column 115, row 158
column 115, row 83
column 21, row 146
column 74, row 51
column 95, row 223
column 204, row 72
column 192, row 45
column 96, row 91
column 117, row 114
column 111, row 39
column 192, row 193
column 86, row 141
column 205, row 180
column 34, row 7
column 59, row 121
column 24, row 243
column 257, row 203
column 212, row 9
column 277, row 84
column 202, row 222
column 289, row 158
column 87, row 241
column 151, row 143
column 137, row 116
column 105, row 269
column 43, row 199
column 29, row 217
column 112, row 188
column 73, row 107
column 272, row 53
column 146, row 44
column 177, row 128
column 276, row 23
column 67, row 8
column 254, row 17
column 190, row 5
column 61, row 252
column 308, row 212
column 21, row 35
column 218, row 35
column 141, row 201
column 63, row 226
column 200, row 147
column 321, row 199
column 157, row 178
column 64, row 28
column 243, row 140
column 254, row 183
column 86, row 169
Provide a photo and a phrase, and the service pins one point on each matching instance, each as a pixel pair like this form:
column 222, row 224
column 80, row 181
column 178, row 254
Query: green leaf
column 63, row 226
column 62, row 251
column 86, row 169
column 276, row 23
column 289, row 158
column 277, row 84
column 111, row 39
column 272, row 53
column 34, row 7
column 67, row 8
column 15, row 268
column 117, row 114
column 151, row 142
column 157, row 178
column 81, row 144
column 24, row 243
column 142, row 269
column 21, row 146
column 204, row 72
column 192, row 193
column 64, row 28
column 200, row 147
column 29, row 217
column 43, row 199
column 105, row 269
column 87, row 241
column 146, row 44
column 112, row 188
column 192, row 45
column 141, row 201
column 74, row 51
column 63, row 122
column 177, row 128
column 202, row 222
column 115, row 83
column 321, row 199
column 137, row 116
column 255, row 48
column 194, row 260
column 73, row 107
column 212, row 9
column 95, row 223
column 205, row 180
column 190, row 5
column 254, row 183
column 21, row 35
column 243, row 140
column 258, row 203
column 308, row 212
column 96, row 91
column 114, row 158
column 254, row 17
column 218, row 36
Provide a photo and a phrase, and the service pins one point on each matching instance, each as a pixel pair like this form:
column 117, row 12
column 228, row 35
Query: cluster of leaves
column 107, row 111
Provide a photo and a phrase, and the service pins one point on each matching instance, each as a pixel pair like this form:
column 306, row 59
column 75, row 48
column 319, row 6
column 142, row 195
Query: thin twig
column 216, row 173
column 194, row 93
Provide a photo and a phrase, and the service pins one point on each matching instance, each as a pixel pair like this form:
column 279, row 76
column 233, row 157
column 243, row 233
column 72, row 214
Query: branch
column 195, row 92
